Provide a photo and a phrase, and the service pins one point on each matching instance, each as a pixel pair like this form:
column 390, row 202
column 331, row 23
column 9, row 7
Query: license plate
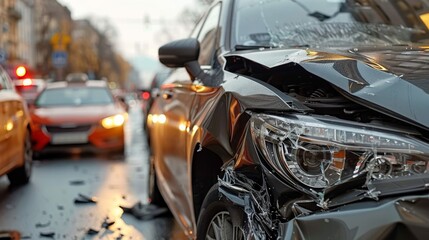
column 69, row 138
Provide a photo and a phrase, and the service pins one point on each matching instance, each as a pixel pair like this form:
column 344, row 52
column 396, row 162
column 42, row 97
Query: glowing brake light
column 21, row 71
column 145, row 95
column 27, row 82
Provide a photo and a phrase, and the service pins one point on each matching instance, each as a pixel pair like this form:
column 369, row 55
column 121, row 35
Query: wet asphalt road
column 46, row 205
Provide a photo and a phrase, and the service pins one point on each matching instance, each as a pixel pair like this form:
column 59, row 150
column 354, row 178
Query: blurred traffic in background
column 77, row 79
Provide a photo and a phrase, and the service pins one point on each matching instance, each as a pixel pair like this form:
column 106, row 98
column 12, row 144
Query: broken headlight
column 322, row 152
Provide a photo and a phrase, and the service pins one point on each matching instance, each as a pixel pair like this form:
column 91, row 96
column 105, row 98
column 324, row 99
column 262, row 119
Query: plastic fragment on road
column 77, row 182
column 145, row 211
column 47, row 234
column 43, row 225
column 83, row 199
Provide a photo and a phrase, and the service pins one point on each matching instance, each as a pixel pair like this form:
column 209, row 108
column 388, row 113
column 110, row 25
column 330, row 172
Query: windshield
column 75, row 96
column 327, row 23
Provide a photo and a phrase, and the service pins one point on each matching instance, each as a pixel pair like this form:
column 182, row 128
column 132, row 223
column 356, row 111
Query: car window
column 5, row 83
column 75, row 96
column 207, row 36
column 197, row 28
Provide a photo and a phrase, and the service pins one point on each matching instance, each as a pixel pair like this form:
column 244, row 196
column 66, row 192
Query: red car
column 82, row 113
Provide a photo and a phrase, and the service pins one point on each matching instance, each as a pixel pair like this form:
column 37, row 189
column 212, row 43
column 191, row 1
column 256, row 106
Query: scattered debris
column 47, row 234
column 92, row 231
column 83, row 199
column 60, row 207
column 145, row 211
column 77, row 182
column 106, row 223
column 42, row 225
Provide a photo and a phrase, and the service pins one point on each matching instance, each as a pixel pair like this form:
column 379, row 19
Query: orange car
column 15, row 140
column 82, row 113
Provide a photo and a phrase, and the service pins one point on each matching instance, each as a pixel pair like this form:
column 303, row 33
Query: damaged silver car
column 297, row 119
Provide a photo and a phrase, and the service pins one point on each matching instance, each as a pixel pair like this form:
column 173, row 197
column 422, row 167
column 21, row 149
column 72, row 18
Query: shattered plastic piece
column 106, row 223
column 77, row 182
column 299, row 210
column 42, row 225
column 83, row 199
column 145, row 211
column 47, row 234
column 255, row 201
column 92, row 231
column 373, row 193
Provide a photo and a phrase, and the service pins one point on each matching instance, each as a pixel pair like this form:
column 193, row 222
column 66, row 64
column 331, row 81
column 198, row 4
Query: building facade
column 26, row 51
column 9, row 18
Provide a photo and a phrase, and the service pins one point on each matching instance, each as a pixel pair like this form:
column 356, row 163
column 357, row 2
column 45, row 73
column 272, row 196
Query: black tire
column 21, row 175
column 154, row 194
column 212, row 208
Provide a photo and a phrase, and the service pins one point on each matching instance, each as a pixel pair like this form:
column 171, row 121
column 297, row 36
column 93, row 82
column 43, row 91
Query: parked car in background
column 29, row 88
column 78, row 114
column 296, row 120
column 15, row 133
column 149, row 96
column 25, row 81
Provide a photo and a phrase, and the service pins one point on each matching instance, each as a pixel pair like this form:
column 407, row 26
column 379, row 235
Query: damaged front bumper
column 405, row 217
column 398, row 218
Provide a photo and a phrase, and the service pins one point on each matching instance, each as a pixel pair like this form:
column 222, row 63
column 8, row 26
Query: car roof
column 89, row 83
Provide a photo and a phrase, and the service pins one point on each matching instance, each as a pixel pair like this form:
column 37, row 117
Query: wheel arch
column 206, row 167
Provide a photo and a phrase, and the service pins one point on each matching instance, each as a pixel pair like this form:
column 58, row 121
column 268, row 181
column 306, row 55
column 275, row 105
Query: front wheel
column 21, row 175
column 219, row 218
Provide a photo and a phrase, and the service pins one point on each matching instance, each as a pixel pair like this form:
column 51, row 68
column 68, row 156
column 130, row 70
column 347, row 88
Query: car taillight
column 27, row 82
column 146, row 95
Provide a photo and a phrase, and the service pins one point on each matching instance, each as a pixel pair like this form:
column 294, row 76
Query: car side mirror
column 183, row 53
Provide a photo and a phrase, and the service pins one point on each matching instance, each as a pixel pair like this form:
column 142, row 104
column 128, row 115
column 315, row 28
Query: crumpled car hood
column 393, row 80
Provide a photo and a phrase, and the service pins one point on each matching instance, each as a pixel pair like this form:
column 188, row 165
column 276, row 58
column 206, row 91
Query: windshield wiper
column 250, row 47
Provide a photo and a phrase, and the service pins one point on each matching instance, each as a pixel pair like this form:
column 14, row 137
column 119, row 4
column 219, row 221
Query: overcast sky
column 134, row 37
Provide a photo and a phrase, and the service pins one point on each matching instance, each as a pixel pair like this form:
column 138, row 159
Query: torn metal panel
column 255, row 201
column 401, row 218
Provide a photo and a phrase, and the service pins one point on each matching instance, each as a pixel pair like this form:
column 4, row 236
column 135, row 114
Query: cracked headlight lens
column 322, row 152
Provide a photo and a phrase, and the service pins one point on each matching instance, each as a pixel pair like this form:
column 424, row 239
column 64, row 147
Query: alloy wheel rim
column 222, row 228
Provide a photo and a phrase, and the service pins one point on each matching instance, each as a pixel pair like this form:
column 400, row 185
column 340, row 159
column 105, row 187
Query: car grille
column 68, row 129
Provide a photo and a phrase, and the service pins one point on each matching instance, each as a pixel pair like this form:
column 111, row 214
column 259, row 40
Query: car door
column 172, row 112
column 169, row 119
column 9, row 124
